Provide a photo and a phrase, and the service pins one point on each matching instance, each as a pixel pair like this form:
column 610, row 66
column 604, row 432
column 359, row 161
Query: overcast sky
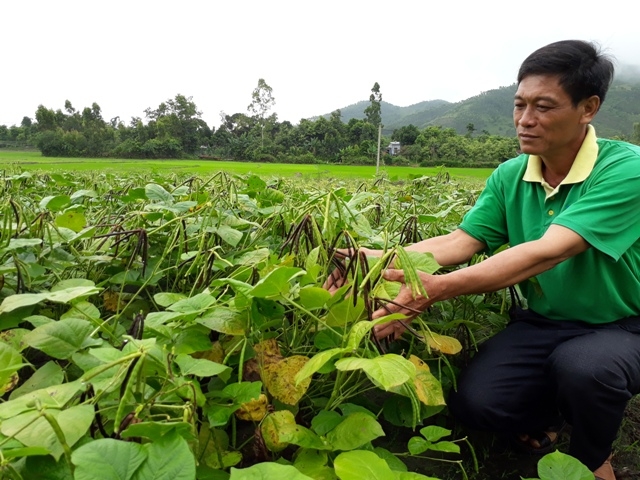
column 316, row 55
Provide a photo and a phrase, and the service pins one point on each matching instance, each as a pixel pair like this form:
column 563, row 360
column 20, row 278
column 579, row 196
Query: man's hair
column 582, row 69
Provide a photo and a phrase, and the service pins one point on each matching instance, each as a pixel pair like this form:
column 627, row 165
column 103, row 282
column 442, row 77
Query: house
column 393, row 148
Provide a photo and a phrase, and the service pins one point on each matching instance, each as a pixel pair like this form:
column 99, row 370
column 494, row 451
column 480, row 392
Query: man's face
column 546, row 121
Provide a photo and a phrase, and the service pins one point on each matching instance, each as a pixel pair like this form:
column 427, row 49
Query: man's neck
column 556, row 167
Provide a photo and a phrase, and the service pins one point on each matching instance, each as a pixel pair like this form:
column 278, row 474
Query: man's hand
column 337, row 277
column 404, row 303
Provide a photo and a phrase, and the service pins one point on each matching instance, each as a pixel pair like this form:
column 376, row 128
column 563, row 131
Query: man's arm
column 504, row 269
column 454, row 248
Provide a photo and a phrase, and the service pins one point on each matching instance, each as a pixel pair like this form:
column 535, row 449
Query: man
column 569, row 207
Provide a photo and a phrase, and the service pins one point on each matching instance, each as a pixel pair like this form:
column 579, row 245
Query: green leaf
column 60, row 339
column 231, row 398
column 313, row 298
column 314, row 464
column 361, row 464
column 108, row 459
column 47, row 375
column 345, row 312
column 268, row 471
column 386, row 371
column 560, row 466
column 412, row 476
column 354, row 431
column 55, row 203
column 197, row 303
column 303, row 437
column 316, row 363
column 255, row 183
column 325, row 421
column 276, row 283
column 10, row 363
column 165, row 299
column 228, row 234
column 224, row 320
column 425, row 262
column 75, row 221
column 8, row 454
column 394, row 462
column 253, row 258
column 433, row 433
column 17, row 243
column 60, row 296
column 199, row 367
column 154, row 430
column 54, row 397
column 33, row 430
column 156, row 193
column 168, row 458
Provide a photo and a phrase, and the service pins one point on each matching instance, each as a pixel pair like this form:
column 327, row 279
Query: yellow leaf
column 427, row 386
column 279, row 378
column 267, row 352
column 111, row 301
column 442, row 343
column 255, row 410
column 271, row 426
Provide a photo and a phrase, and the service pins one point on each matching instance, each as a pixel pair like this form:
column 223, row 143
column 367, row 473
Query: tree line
column 175, row 129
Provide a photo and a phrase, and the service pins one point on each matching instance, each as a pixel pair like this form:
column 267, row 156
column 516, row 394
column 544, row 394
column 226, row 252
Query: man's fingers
column 394, row 275
column 393, row 329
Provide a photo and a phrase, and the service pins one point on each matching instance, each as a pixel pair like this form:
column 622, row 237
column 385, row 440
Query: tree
column 635, row 136
column 406, row 135
column 374, row 111
column 262, row 101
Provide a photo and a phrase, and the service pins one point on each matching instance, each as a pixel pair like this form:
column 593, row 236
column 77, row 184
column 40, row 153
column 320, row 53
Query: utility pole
column 378, row 158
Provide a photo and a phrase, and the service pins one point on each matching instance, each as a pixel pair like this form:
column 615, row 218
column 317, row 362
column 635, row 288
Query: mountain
column 492, row 111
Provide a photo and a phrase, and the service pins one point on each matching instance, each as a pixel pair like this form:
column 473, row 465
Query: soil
column 497, row 459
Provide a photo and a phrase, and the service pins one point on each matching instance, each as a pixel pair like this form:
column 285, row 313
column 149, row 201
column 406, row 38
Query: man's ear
column 590, row 107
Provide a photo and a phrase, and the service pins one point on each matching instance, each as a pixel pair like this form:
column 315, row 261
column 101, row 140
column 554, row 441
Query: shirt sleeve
column 486, row 221
column 607, row 215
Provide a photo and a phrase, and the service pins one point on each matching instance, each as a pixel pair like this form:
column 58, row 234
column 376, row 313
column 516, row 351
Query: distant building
column 393, row 148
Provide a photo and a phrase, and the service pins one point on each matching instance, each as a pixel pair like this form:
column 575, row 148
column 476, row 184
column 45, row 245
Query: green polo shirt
column 600, row 200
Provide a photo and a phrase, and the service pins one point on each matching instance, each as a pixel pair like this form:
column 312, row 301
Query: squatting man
column 569, row 208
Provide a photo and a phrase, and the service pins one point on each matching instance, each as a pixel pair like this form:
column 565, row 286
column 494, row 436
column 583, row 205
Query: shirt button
column 550, row 212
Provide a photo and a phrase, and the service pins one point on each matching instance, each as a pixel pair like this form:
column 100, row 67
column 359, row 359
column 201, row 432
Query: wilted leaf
column 427, row 386
column 279, row 378
column 271, row 426
column 255, row 410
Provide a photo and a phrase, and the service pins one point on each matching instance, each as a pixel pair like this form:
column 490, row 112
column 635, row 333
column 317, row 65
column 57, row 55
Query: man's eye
column 543, row 108
column 518, row 105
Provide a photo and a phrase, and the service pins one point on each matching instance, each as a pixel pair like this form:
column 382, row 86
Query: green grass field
column 30, row 160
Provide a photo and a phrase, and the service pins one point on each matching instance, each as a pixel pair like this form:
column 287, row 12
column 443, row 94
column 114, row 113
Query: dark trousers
column 536, row 371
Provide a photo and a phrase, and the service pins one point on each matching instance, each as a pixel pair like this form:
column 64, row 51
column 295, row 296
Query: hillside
column 492, row 111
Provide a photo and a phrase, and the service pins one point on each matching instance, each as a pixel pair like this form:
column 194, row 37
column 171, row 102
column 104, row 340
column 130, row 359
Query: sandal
column 546, row 441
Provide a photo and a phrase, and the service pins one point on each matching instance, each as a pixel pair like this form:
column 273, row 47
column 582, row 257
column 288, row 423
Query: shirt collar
column 580, row 169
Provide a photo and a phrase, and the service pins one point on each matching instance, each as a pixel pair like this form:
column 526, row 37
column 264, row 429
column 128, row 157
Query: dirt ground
column 498, row 460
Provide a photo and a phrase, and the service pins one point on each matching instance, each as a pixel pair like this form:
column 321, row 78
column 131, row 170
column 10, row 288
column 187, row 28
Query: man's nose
column 527, row 117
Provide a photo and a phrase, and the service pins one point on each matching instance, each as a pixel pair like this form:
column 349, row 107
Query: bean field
column 170, row 326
